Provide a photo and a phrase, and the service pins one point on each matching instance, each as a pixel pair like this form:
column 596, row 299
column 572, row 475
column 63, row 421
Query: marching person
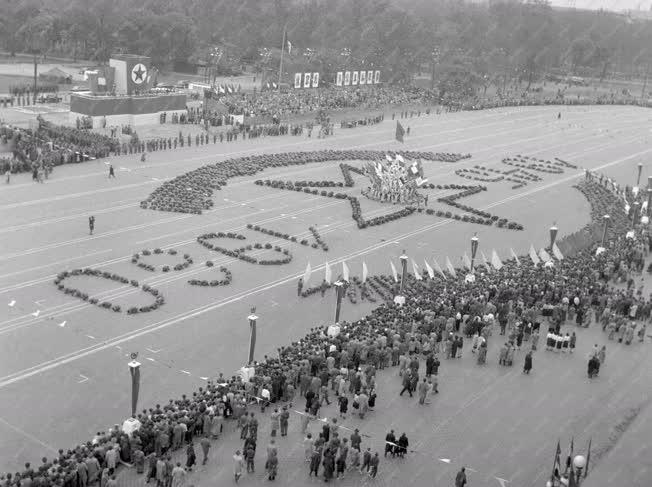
column 111, row 171
column 91, row 224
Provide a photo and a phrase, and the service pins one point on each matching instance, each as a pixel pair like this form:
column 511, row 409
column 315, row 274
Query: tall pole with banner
column 640, row 170
column 604, row 229
column 474, row 249
column 134, row 370
column 339, row 291
column 252, row 335
column 280, row 66
column 553, row 234
column 649, row 201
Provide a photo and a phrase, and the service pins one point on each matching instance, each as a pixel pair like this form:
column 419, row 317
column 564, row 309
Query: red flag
column 400, row 131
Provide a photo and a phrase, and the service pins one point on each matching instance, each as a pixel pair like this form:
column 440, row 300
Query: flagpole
column 404, row 259
column 280, row 67
column 252, row 335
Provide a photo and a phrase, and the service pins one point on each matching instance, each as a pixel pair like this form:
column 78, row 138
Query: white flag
column 345, row 271
column 533, row 255
column 486, row 262
column 467, row 261
column 431, row 273
column 328, row 274
column 417, row 274
column 365, row 272
column 306, row 275
column 557, row 253
column 394, row 273
column 450, row 267
column 438, row 268
column 495, row 260
column 545, row 256
column 514, row 256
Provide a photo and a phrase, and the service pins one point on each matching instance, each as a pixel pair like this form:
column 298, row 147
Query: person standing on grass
column 460, row 478
column 528, row 363
column 91, row 224
column 111, row 171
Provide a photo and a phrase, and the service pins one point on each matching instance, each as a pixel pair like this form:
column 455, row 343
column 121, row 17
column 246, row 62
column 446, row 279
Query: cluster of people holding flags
column 340, row 363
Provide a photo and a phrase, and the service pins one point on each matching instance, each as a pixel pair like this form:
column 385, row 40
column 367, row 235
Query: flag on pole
column 394, row 273
column 556, row 466
column 417, row 274
column 557, row 253
column 569, row 458
column 289, row 46
column 545, row 256
column 495, row 260
column 485, row 261
column 328, row 274
column 345, row 271
column 438, row 268
column 431, row 273
column 533, row 255
column 400, row 131
column 306, row 275
column 467, row 261
column 450, row 267
column 514, row 256
column 588, row 460
column 365, row 272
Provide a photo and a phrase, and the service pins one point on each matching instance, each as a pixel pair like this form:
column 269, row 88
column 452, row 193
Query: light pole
column 640, row 170
column 404, row 259
column 474, row 249
column 579, row 462
column 604, row 229
column 553, row 234
column 252, row 335
column 339, row 291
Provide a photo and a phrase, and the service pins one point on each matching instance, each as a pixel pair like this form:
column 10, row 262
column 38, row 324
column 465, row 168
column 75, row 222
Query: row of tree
column 401, row 37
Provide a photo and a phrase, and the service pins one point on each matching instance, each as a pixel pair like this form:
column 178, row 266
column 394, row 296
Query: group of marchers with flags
column 434, row 268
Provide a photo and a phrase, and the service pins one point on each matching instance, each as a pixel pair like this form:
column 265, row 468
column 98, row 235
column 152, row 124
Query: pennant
column 400, row 131
column 365, row 272
column 431, row 273
column 556, row 252
column 450, row 267
column 438, row 268
column 485, row 261
column 467, row 261
column 306, row 275
column 394, row 273
column 588, row 459
column 417, row 274
column 533, row 255
column 545, row 256
column 345, row 271
column 514, row 256
column 495, row 260
column 556, row 466
column 328, row 274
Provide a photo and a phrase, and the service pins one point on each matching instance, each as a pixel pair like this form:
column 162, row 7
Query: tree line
column 402, row 37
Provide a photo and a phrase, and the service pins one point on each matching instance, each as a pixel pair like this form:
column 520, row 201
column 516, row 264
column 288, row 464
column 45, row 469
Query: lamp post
column 339, row 291
column 640, row 170
column 404, row 259
column 252, row 335
column 579, row 462
column 474, row 249
column 606, row 219
column 553, row 234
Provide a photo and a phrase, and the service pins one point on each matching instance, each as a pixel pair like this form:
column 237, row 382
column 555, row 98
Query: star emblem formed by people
column 138, row 73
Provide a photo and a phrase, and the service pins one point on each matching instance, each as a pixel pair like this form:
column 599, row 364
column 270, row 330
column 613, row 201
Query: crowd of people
column 341, row 364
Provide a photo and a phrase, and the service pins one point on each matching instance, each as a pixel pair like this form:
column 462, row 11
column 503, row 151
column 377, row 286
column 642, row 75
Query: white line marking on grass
column 84, row 379
column 36, row 313
column 11, row 303
column 28, row 435
column 91, row 337
column 153, row 351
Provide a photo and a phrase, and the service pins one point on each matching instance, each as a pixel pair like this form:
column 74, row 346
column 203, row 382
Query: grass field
column 64, row 372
